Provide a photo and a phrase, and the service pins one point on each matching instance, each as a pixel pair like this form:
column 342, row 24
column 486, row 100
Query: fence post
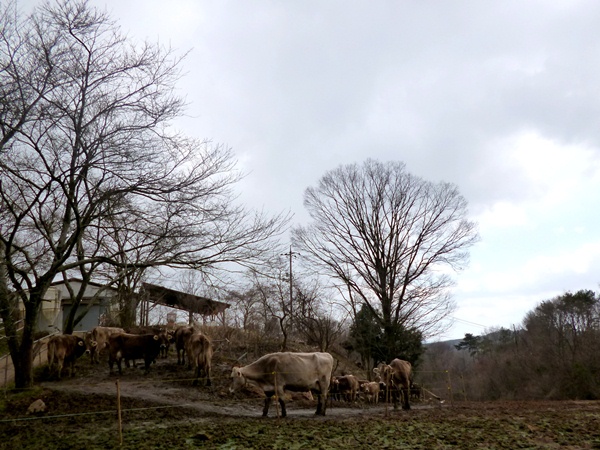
column 462, row 379
column 449, row 387
column 119, row 413
column 6, row 362
column 276, row 396
column 387, row 398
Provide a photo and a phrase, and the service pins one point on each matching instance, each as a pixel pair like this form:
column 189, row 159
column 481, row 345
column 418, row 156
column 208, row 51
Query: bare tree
column 273, row 291
column 245, row 309
column 315, row 319
column 93, row 175
column 390, row 237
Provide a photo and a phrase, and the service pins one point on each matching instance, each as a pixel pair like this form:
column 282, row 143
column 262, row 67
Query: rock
column 37, row 407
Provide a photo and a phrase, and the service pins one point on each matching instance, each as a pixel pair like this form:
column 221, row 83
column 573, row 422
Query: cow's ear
column 376, row 370
column 156, row 338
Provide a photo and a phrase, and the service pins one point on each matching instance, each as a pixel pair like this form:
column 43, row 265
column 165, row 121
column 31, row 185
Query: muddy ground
column 164, row 410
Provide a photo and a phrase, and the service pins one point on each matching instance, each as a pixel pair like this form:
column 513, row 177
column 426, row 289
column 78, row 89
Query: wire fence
column 131, row 385
column 436, row 387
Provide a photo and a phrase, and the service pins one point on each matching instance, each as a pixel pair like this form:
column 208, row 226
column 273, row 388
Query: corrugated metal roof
column 181, row 300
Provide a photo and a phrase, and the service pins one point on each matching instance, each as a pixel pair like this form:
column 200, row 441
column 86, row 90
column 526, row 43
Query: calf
column 133, row 346
column 416, row 392
column 64, row 349
column 199, row 350
column 371, row 391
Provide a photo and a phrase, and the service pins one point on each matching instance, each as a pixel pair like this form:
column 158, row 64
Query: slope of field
column 163, row 410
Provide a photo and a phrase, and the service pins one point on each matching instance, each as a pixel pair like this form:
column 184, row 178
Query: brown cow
column 199, row 351
column 397, row 376
column 154, row 329
column 165, row 335
column 180, row 336
column 347, row 387
column 134, row 346
column 64, row 350
column 98, row 341
column 297, row 372
column 371, row 391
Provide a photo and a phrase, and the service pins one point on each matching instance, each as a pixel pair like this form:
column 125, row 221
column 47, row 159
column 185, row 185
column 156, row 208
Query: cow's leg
column 119, row 366
column 208, row 382
column 282, row 404
column 405, row 397
column 267, row 403
column 197, row 377
column 320, row 405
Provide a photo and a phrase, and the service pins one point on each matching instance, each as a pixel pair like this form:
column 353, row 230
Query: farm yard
column 163, row 410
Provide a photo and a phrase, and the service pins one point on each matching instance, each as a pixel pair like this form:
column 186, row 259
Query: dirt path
column 169, row 385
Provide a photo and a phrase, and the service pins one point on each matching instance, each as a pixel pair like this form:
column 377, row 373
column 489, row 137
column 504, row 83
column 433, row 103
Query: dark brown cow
column 180, row 337
column 347, row 387
column 397, row 376
column 296, row 372
column 134, row 346
column 199, row 351
column 165, row 335
column 416, row 392
column 98, row 341
column 64, row 350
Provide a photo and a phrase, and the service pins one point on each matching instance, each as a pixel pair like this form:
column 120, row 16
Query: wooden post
column 387, row 399
column 449, row 387
column 119, row 412
column 6, row 362
column 276, row 396
column 462, row 379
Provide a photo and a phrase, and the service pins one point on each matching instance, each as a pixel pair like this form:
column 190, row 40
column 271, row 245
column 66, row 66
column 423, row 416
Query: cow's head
column 89, row 342
column 171, row 336
column 238, row 380
column 80, row 348
column 164, row 339
column 384, row 372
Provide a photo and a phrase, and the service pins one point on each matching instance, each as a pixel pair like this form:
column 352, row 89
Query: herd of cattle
column 273, row 373
column 145, row 343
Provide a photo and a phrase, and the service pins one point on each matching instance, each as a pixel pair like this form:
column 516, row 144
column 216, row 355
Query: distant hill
column 451, row 342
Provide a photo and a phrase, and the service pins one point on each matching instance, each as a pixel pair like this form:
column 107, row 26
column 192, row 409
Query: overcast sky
column 500, row 98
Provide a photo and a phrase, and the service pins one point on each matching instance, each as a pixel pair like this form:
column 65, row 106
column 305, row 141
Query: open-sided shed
column 204, row 306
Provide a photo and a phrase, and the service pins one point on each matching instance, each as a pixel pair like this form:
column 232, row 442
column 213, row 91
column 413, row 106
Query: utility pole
column 291, row 254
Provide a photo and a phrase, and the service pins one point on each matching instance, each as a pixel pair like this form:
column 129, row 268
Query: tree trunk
column 23, row 358
column 284, row 332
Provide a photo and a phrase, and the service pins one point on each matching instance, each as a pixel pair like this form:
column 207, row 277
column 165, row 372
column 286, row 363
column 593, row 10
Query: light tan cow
column 297, row 372
column 371, row 391
column 98, row 341
column 199, row 351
